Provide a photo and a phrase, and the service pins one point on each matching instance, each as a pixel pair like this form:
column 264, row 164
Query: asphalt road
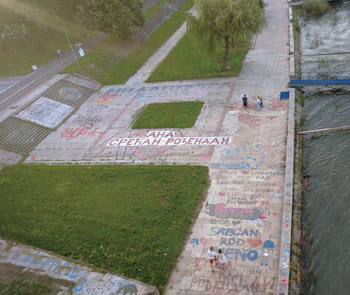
column 22, row 85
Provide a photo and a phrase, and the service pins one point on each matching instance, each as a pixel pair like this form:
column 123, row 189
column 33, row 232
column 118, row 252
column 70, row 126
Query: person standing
column 222, row 259
column 245, row 102
column 258, row 103
column 212, row 258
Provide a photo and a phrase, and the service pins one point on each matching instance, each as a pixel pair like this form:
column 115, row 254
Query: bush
column 13, row 35
column 315, row 7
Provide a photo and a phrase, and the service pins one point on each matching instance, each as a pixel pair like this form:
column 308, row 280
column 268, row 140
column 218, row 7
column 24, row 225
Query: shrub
column 315, row 7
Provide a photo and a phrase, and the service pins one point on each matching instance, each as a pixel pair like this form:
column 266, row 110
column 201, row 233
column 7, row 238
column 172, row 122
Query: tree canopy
column 116, row 17
column 225, row 20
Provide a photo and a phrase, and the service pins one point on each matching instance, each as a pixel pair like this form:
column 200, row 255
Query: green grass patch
column 149, row 13
column 132, row 220
column 169, row 115
column 25, row 288
column 99, row 65
column 187, row 60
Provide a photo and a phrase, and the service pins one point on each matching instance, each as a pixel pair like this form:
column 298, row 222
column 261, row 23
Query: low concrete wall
column 284, row 263
column 283, row 274
column 86, row 280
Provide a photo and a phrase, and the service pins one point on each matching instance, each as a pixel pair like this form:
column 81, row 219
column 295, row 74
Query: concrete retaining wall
column 284, row 263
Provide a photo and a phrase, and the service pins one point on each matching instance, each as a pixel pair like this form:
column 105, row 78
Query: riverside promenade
column 244, row 207
column 243, row 210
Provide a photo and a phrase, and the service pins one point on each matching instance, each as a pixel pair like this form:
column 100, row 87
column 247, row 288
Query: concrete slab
column 45, row 112
column 111, row 112
column 85, row 279
column 8, row 158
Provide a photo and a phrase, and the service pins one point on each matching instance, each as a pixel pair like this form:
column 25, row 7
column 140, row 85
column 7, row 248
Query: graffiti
column 155, row 134
column 241, row 158
column 95, row 109
column 234, row 232
column 231, row 283
column 253, row 271
column 254, row 242
column 188, row 292
column 266, row 113
column 87, row 130
column 276, row 105
column 170, row 141
column 242, row 201
column 231, row 242
column 86, row 119
column 206, row 241
column 250, row 184
column 268, row 247
column 243, row 254
column 163, row 91
column 195, row 241
column 130, row 289
column 46, row 112
column 220, row 211
column 56, row 265
column 250, row 120
column 224, row 222
column 105, row 98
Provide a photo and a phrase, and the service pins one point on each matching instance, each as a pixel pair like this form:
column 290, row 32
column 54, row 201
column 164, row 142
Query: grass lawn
column 188, row 61
column 155, row 9
column 132, row 220
column 102, row 66
column 169, row 115
column 27, row 288
column 44, row 34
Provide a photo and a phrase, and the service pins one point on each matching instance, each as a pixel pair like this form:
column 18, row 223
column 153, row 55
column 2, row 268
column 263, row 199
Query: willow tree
column 225, row 21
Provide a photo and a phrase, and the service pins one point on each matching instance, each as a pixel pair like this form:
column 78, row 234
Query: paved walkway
column 146, row 70
column 243, row 211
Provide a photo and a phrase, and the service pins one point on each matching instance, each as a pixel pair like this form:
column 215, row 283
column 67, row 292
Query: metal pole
column 73, row 51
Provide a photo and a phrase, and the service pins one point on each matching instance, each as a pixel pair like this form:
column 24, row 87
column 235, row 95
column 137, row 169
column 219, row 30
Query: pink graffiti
column 249, row 120
column 147, row 152
column 254, row 242
column 234, row 106
column 85, row 131
column 206, row 241
column 220, row 211
column 275, row 105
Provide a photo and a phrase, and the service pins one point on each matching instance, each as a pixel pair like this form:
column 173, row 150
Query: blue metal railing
column 321, row 76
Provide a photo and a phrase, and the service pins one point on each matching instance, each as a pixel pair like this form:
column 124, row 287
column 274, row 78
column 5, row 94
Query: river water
column 327, row 198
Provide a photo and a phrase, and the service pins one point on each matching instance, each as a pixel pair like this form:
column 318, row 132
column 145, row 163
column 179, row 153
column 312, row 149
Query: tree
column 116, row 17
column 225, row 20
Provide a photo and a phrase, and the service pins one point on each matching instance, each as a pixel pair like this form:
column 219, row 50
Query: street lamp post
column 76, row 60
